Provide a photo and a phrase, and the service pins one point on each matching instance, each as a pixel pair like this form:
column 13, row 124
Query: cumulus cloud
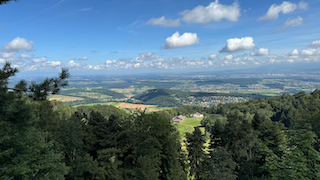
column 213, row 12
column 162, row 21
column 228, row 57
column 236, row 44
column 7, row 55
column 93, row 51
column 111, row 62
column 2, row 61
column 146, row 56
column 295, row 52
column 285, row 8
column 311, row 51
column 72, row 64
column 186, row 39
column 261, row 52
column 290, row 23
column 83, row 59
column 38, row 60
column 18, row 44
column 212, row 57
column 52, row 63
column 25, row 56
column 315, row 43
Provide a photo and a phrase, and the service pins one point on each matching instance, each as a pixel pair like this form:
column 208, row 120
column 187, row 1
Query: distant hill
column 170, row 97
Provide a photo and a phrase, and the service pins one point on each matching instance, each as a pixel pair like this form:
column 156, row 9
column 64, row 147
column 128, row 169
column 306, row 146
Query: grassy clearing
column 188, row 126
column 156, row 108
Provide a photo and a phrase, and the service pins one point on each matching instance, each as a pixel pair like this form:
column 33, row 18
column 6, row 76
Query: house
column 178, row 119
column 197, row 115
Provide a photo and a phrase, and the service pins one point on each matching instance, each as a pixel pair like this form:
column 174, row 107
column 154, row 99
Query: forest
column 271, row 138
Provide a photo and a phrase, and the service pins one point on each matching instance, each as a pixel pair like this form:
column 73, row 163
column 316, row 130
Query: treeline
column 273, row 138
column 168, row 97
column 50, row 140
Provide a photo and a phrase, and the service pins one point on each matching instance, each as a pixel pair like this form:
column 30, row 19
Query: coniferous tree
column 23, row 150
column 196, row 155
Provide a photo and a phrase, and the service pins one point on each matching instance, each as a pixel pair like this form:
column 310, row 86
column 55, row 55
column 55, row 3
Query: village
column 180, row 118
column 209, row 101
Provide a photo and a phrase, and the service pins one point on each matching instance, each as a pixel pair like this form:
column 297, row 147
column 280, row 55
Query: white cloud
column 186, row 39
column 83, row 59
column 18, row 44
column 7, row 55
column 162, row 21
column 38, row 60
column 213, row 12
column 311, row 51
column 261, row 52
column 25, row 56
column 2, row 61
column 248, row 59
column 111, row 62
column 228, row 57
column 272, row 60
column 236, row 44
column 290, row 60
column 212, row 57
column 72, row 64
column 136, row 65
column 315, row 43
column 295, row 52
column 290, row 23
column 285, row 8
column 52, row 63
column 146, row 56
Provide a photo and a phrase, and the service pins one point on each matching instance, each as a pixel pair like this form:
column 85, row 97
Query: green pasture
column 188, row 125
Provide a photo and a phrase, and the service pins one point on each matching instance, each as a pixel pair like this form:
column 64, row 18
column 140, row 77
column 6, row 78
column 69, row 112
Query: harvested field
column 64, row 98
column 134, row 106
column 128, row 90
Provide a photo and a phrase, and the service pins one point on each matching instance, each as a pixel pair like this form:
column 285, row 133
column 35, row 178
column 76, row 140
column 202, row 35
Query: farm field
column 64, row 98
column 148, row 108
column 133, row 106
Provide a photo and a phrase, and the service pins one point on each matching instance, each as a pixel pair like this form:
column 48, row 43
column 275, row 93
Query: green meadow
column 188, row 126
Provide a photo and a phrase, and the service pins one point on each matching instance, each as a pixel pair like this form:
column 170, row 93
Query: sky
column 130, row 36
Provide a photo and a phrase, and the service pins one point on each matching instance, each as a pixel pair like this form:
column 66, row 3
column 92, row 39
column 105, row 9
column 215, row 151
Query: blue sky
column 102, row 36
